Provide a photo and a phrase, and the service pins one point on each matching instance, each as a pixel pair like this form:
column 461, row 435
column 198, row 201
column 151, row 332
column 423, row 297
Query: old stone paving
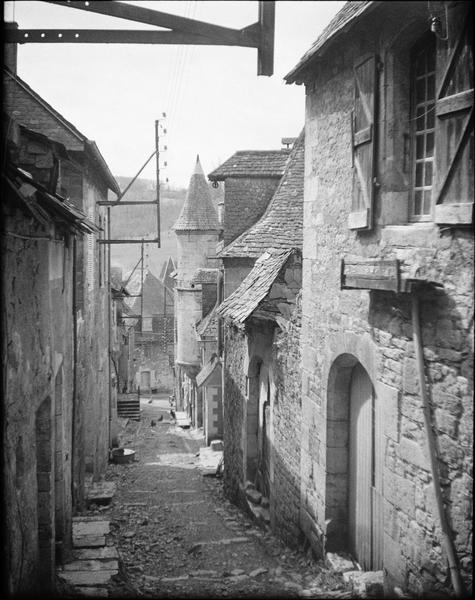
column 177, row 536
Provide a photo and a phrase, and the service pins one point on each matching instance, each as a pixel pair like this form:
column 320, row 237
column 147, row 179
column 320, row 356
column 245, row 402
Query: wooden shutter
column 454, row 120
column 363, row 143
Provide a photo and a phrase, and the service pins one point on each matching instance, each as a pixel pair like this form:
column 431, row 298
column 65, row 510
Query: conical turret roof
column 198, row 213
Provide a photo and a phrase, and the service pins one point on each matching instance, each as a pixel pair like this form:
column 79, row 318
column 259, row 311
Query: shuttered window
column 363, row 143
column 454, row 119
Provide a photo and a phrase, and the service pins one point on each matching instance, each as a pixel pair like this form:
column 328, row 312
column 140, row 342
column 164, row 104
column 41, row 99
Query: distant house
column 152, row 305
column 387, row 293
column 262, row 369
column 61, row 174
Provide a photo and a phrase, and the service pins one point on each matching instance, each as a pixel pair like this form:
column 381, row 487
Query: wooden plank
column 450, row 104
column 359, row 219
column 464, row 138
column 363, row 136
column 358, row 282
column 161, row 19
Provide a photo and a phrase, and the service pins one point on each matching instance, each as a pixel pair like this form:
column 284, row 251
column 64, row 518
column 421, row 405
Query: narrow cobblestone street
column 177, row 536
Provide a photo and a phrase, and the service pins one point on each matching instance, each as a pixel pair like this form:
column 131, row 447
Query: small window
column 422, row 129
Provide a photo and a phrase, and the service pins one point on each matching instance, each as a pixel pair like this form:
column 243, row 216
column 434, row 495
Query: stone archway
column 338, row 419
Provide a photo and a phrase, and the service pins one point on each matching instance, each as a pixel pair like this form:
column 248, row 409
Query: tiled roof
column 252, row 163
column 205, row 276
column 350, row 12
column 208, row 325
column 197, row 213
column 239, row 305
column 281, row 226
column 208, row 370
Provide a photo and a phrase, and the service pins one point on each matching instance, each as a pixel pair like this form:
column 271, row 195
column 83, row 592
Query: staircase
column 128, row 406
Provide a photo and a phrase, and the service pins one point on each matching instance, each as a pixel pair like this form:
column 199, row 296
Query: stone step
column 106, row 552
column 91, row 565
column 88, row 578
column 88, row 541
column 253, row 495
column 81, row 527
column 365, row 584
column 91, row 592
column 101, row 492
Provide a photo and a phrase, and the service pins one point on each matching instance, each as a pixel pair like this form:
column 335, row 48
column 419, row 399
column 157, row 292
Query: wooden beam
column 161, row 19
column 265, row 52
column 108, row 36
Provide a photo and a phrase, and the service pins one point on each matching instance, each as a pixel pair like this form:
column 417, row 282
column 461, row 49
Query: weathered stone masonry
column 343, row 328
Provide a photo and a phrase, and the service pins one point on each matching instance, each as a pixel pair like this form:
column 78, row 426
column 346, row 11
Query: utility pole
column 141, row 288
column 157, row 170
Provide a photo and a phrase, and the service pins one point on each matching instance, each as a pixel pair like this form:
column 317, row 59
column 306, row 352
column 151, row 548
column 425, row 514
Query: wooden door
column 364, row 510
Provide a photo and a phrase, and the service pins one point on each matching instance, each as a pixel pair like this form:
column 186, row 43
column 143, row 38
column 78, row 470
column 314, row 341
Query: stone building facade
column 261, row 369
column 69, row 370
column 389, row 177
column 40, row 230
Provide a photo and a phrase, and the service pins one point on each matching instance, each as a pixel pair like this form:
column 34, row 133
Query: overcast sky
column 214, row 100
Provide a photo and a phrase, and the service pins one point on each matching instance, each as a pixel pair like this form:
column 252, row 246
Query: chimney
column 10, row 50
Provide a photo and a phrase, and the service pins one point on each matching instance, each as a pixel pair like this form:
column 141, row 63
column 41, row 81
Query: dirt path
column 178, row 537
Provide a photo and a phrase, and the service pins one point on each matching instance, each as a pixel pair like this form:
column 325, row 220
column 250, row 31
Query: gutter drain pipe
column 455, row 575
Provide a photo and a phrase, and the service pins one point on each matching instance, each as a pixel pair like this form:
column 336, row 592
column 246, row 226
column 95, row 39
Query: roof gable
column 56, row 127
column 340, row 22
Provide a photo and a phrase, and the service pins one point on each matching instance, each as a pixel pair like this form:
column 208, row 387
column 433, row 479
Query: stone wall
column 92, row 356
column 37, row 400
column 234, row 400
column 343, row 327
column 245, row 201
column 235, row 271
column 287, row 429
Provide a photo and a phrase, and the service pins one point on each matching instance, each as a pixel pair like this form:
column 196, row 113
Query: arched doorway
column 353, row 507
column 252, row 420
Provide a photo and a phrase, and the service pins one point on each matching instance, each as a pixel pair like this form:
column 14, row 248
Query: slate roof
column 281, row 226
column 239, row 305
column 208, row 325
column 89, row 146
column 349, row 13
column 207, row 370
column 197, row 213
column 252, row 163
column 205, row 276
